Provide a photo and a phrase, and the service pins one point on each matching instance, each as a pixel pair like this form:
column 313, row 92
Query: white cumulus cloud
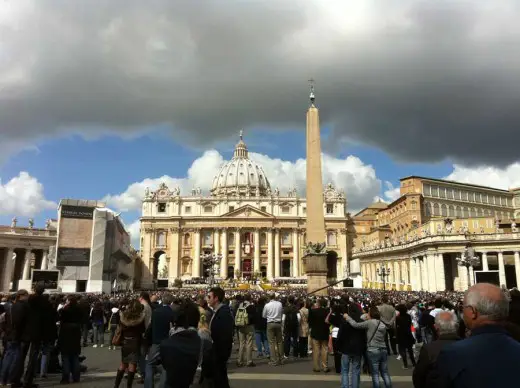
column 23, row 196
column 358, row 180
column 501, row 178
column 134, row 230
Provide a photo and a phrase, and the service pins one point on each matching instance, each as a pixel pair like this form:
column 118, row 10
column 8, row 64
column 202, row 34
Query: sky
column 101, row 101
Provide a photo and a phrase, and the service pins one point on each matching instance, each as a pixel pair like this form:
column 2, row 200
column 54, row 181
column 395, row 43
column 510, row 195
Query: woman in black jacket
column 404, row 336
column 97, row 316
column 69, row 339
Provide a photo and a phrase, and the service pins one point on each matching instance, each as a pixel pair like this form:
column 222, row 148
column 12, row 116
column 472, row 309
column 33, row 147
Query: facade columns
column 7, row 270
column 424, row 273
column 501, row 269
column 256, row 265
column 430, row 272
column 238, row 251
column 196, row 260
column 27, row 265
column 224, row 262
column 216, row 241
column 277, row 253
column 174, row 264
column 485, row 263
column 517, row 269
column 439, row 272
column 270, row 254
column 45, row 260
column 296, row 253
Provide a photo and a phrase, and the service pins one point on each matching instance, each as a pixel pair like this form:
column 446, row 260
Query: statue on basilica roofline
column 176, row 191
column 277, row 192
column 14, row 221
column 31, row 223
column 147, row 192
column 514, row 229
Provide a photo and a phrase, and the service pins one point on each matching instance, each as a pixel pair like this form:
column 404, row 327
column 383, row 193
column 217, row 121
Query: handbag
column 117, row 339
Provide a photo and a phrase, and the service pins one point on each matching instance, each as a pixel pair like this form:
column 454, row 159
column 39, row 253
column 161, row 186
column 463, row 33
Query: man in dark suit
column 489, row 357
column 446, row 325
column 221, row 327
column 163, row 318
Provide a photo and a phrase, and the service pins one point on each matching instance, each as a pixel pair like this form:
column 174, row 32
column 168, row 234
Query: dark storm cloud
column 421, row 80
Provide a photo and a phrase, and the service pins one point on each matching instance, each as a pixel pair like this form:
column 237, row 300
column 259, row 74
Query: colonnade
column 13, row 258
column 435, row 271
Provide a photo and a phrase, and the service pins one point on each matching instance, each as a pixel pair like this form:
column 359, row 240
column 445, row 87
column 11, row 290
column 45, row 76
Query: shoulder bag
column 374, row 333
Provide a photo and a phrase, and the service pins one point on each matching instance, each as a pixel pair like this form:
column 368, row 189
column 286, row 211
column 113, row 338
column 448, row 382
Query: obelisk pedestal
column 315, row 258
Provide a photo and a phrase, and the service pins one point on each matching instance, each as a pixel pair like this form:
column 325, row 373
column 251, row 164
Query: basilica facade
column 257, row 230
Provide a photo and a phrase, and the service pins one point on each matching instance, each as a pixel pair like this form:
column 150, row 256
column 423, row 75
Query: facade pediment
column 247, row 211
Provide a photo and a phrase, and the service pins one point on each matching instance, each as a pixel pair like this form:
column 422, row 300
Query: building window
column 286, row 238
column 161, row 239
column 285, row 209
column 330, row 208
column 187, row 239
column 206, row 238
column 449, row 193
column 435, row 191
column 414, row 205
column 464, row 195
column 231, row 208
column 208, row 209
column 187, row 209
column 436, row 211
column 263, row 239
column 161, row 207
column 427, row 189
column 304, row 210
column 457, row 194
column 263, row 252
column 331, row 238
column 442, row 192
column 444, row 210
column 263, row 208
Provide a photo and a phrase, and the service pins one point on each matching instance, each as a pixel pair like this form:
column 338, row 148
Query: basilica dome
column 241, row 176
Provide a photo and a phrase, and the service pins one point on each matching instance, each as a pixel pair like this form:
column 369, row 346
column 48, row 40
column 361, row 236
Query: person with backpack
column 291, row 325
column 245, row 323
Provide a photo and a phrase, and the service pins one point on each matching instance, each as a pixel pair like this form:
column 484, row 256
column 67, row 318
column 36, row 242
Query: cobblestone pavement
column 102, row 364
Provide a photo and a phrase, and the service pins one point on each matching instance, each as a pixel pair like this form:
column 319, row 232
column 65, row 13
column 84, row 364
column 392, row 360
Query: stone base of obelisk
column 316, row 270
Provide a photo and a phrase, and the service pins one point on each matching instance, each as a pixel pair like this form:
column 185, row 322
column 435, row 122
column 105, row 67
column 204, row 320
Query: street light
column 383, row 273
column 212, row 262
column 468, row 259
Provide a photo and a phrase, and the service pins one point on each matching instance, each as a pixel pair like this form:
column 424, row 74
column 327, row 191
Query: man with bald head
column 489, row 357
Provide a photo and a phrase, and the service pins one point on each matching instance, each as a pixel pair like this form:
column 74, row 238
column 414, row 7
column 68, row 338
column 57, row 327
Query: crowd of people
column 170, row 335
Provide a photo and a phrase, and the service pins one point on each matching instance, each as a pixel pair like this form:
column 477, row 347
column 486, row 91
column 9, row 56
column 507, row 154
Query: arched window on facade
column 465, row 212
column 331, row 238
column 444, row 210
column 427, row 209
column 436, row 210
column 263, row 238
column 458, row 212
column 187, row 239
column 161, row 239
column 286, row 238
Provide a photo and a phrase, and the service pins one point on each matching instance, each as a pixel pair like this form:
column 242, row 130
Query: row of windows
column 462, row 195
column 246, row 238
column 161, row 208
column 462, row 211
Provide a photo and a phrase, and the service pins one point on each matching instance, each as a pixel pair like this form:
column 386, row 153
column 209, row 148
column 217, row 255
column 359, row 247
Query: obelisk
column 315, row 257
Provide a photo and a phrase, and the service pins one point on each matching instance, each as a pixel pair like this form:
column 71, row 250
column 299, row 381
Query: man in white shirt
column 273, row 312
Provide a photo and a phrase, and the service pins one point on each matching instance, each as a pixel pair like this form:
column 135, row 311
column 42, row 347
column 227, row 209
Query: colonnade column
column 485, row 264
column 27, row 265
column 45, row 260
column 424, row 274
column 7, row 270
column 196, row 259
column 413, row 278
column 277, row 253
column 501, row 268
column 256, row 264
column 517, row 269
column 238, row 251
column 224, row 261
column 216, row 241
column 270, row 258
column 173, row 268
column 296, row 253
column 440, row 276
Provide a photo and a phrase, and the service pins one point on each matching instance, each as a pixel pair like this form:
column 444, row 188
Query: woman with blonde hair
column 132, row 329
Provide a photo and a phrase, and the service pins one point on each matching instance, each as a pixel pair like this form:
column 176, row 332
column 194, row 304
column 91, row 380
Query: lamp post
column 468, row 259
column 383, row 272
column 212, row 262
